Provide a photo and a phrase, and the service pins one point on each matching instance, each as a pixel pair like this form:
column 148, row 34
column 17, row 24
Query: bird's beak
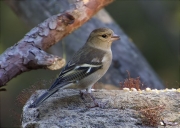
column 115, row 37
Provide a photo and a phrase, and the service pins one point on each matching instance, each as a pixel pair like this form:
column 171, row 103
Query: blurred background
column 152, row 25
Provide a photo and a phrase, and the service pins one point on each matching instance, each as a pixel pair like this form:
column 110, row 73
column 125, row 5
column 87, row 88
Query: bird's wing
column 74, row 74
column 79, row 68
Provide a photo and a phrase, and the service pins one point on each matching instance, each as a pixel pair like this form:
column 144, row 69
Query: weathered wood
column 124, row 109
column 126, row 56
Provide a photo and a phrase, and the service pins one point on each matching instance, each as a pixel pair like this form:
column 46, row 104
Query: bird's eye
column 104, row 36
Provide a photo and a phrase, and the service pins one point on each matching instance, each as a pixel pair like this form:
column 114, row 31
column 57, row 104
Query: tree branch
column 28, row 53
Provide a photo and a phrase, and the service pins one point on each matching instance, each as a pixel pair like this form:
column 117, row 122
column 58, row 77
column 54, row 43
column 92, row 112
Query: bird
column 86, row 66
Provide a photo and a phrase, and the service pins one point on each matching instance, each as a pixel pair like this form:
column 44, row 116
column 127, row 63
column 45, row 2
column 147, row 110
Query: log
column 123, row 109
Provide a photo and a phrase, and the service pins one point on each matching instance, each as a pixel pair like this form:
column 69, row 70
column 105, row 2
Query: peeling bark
column 29, row 52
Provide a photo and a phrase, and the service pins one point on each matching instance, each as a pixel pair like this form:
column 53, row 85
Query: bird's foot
column 96, row 104
column 82, row 95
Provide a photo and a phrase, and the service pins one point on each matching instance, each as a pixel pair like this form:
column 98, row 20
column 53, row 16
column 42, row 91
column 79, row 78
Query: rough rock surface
column 66, row 109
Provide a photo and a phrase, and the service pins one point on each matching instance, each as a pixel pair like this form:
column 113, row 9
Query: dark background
column 152, row 25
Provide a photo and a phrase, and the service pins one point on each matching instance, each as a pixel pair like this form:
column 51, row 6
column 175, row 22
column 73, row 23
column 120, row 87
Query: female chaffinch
column 86, row 67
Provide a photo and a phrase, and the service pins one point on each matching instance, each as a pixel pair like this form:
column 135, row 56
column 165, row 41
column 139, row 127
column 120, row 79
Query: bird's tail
column 42, row 98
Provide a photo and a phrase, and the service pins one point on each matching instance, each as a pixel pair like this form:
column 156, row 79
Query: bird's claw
column 96, row 104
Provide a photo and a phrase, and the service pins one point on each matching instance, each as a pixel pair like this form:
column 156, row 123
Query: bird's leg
column 96, row 104
column 81, row 94
column 88, row 91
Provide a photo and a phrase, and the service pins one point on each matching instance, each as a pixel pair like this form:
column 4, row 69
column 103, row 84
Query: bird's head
column 102, row 38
